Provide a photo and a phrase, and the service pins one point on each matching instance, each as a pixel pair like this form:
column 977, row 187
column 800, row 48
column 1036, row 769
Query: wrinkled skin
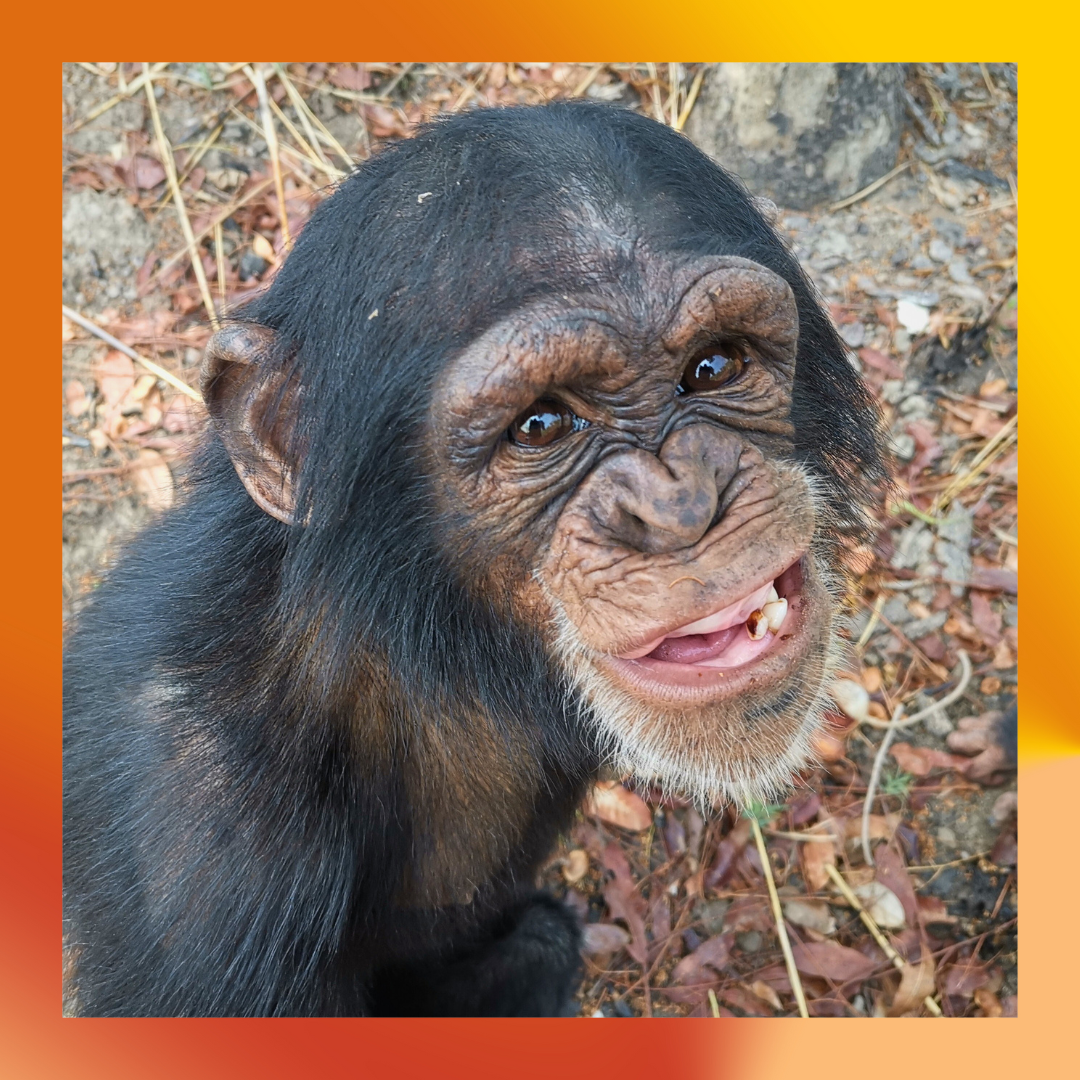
column 663, row 509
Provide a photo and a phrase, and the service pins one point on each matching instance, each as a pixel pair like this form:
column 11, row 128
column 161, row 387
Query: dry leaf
column 988, row 1002
column 814, row 914
column 115, row 375
column 76, row 397
column 767, row 994
column 815, row 858
column 916, row 983
column 828, row 960
column 611, row 802
column 577, row 866
column 921, row 760
column 152, row 478
column 624, row 901
column 892, row 873
column 882, row 905
column 263, row 248
column 603, row 938
column 712, row 954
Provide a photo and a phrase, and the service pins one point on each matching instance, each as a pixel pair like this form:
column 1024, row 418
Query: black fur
column 227, row 849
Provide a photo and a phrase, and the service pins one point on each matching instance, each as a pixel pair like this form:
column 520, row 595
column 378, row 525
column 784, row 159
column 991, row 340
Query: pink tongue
column 696, row 647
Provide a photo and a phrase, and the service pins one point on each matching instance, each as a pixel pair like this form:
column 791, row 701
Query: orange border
column 36, row 1042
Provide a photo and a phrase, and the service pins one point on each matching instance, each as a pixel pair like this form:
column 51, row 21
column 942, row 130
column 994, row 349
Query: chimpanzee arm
column 199, row 884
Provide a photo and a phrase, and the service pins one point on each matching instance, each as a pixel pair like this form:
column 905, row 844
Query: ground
column 918, row 275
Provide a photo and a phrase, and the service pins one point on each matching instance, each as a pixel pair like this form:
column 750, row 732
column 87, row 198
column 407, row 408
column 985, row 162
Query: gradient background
column 36, row 1042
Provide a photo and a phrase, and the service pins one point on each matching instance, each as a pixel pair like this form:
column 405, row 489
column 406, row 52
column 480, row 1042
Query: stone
column 802, row 134
column 940, row 251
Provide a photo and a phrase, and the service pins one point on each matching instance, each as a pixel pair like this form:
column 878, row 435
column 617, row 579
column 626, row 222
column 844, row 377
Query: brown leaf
column 603, row 938
column 739, row 997
column 351, row 77
column 932, row 909
column 816, row 857
column 921, row 760
column 115, row 375
column 713, row 953
column 76, row 397
column 624, row 901
column 151, row 477
column 891, row 872
column 828, row 960
column 882, row 362
column 962, row 980
column 986, row 620
column 763, row 990
column 263, row 248
column 916, row 983
column 993, row 579
column 748, row 913
column 988, row 1002
column 577, row 866
column 611, row 802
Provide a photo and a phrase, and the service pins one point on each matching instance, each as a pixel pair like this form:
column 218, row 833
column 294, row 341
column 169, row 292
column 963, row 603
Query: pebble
column 954, row 539
column 853, row 334
column 913, row 317
column 940, row 251
column 903, row 446
column 918, row 628
column 958, row 271
column 921, row 262
column 915, row 406
column 892, row 391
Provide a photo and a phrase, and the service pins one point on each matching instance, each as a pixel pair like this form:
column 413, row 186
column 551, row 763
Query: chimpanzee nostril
column 662, row 503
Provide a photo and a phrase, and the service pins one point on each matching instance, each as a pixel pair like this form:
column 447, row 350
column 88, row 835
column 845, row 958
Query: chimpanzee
column 537, row 456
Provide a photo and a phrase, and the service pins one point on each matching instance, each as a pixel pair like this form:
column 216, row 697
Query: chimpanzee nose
column 664, row 502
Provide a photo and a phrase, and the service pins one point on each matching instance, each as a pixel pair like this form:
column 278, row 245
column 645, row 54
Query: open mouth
column 733, row 636
column 751, row 641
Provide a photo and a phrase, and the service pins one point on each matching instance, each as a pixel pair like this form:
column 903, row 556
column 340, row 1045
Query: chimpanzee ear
column 253, row 404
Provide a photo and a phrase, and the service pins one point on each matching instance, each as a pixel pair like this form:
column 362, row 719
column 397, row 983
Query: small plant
column 898, row 783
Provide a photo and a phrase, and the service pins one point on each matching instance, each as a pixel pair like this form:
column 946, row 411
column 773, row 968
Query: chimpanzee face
column 625, row 437
column 628, row 456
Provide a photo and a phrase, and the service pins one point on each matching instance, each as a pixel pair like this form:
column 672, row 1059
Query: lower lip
column 773, row 658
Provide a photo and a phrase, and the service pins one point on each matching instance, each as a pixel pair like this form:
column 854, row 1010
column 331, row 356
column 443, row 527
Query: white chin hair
column 756, row 767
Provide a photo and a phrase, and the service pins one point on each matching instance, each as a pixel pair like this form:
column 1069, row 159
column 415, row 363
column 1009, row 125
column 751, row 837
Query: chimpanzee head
column 544, row 383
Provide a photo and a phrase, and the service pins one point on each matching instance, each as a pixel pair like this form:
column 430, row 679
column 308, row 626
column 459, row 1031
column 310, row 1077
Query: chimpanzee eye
column 715, row 367
column 542, row 423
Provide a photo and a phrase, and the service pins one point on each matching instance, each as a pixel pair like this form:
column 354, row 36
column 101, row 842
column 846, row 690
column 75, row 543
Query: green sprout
column 761, row 812
column 898, row 783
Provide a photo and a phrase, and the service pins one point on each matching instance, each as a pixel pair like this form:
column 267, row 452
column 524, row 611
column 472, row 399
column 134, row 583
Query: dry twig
column 165, row 150
column 116, row 343
column 778, row 915
column 897, row 961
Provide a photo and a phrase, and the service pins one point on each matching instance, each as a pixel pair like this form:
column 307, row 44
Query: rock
column 802, row 134
column 853, row 334
column 903, row 446
column 958, row 271
column 914, row 318
column 940, row 251
column 951, row 549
